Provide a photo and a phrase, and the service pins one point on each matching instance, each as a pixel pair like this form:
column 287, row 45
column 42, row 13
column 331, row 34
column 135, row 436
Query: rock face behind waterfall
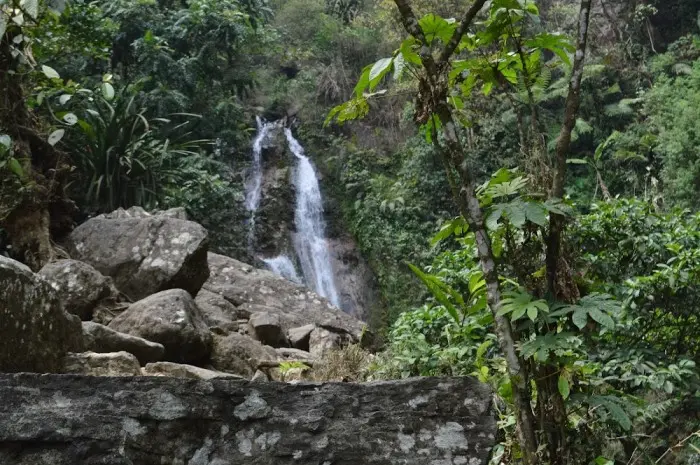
column 69, row 420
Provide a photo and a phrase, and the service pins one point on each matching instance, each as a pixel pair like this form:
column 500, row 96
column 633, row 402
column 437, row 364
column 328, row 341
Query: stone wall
column 72, row 420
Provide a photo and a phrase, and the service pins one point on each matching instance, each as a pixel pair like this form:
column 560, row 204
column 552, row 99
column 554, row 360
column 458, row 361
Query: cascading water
column 284, row 267
column 310, row 241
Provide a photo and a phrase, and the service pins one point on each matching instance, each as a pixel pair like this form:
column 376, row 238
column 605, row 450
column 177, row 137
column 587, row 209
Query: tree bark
column 573, row 101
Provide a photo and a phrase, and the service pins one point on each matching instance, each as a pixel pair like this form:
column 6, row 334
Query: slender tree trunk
column 573, row 101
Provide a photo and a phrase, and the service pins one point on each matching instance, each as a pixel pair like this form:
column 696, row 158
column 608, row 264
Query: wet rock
column 144, row 255
column 94, row 364
column 299, row 337
column 267, row 328
column 79, row 286
column 239, row 354
column 35, row 330
column 69, row 420
column 260, row 377
column 286, row 353
column 170, row 318
column 178, row 370
column 101, row 339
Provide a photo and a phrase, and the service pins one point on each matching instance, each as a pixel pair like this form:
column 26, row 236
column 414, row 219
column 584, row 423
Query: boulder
column 101, row 339
column 70, row 420
column 219, row 312
column 177, row 213
column 35, row 330
column 239, row 354
column 170, row 318
column 144, row 255
column 267, row 328
column 94, row 364
column 178, row 370
column 261, row 290
column 299, row 337
column 79, row 286
column 322, row 340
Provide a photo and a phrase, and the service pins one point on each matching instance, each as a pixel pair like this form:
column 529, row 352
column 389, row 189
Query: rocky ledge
column 69, row 420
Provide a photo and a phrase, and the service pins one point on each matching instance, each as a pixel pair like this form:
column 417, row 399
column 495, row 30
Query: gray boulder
column 70, row 420
column 101, row 339
column 79, row 286
column 94, row 364
column 170, row 318
column 178, row 370
column 322, row 340
column 299, row 337
column 239, row 354
column 267, row 328
column 35, row 331
column 263, row 291
column 219, row 312
column 177, row 213
column 144, row 255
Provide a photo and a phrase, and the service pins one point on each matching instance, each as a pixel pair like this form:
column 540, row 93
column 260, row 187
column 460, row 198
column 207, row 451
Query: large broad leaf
column 379, row 70
column 580, row 318
column 107, row 91
column 31, row 7
column 602, row 318
column 435, row 27
column 49, row 72
column 535, row 213
column 408, row 53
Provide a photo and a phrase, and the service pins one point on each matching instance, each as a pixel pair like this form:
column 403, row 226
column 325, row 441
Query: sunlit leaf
column 56, row 136
column 49, row 72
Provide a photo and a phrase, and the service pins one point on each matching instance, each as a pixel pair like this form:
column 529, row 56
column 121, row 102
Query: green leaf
column 408, row 53
column 49, row 72
column 63, row 99
column 603, row 461
column 577, row 161
column 15, row 166
column 515, row 213
column 563, row 386
column 435, row 27
column 107, row 90
column 56, row 136
column 436, row 289
column 379, row 70
column 602, row 318
column 536, row 213
column 532, row 312
column 494, row 216
column 580, row 318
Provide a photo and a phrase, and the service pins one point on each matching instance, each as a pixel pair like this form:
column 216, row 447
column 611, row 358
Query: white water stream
column 310, row 242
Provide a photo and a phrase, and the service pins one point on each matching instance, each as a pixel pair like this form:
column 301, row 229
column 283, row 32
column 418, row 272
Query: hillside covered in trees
column 518, row 180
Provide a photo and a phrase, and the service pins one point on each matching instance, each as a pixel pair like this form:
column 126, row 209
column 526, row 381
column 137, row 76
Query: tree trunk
column 573, row 101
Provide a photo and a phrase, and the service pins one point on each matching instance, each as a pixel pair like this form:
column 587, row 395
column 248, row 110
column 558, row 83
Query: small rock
column 170, row 318
column 101, row 339
column 294, row 354
column 299, row 337
column 94, row 364
column 177, row 370
column 239, row 354
column 296, row 374
column 267, row 328
column 260, row 377
column 80, row 287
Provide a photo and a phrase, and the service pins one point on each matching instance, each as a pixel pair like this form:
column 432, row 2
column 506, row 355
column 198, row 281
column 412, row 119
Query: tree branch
column 461, row 30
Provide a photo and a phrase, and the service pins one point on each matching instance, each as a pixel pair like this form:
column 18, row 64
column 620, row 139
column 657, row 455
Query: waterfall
column 284, row 267
column 253, row 185
column 310, row 241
